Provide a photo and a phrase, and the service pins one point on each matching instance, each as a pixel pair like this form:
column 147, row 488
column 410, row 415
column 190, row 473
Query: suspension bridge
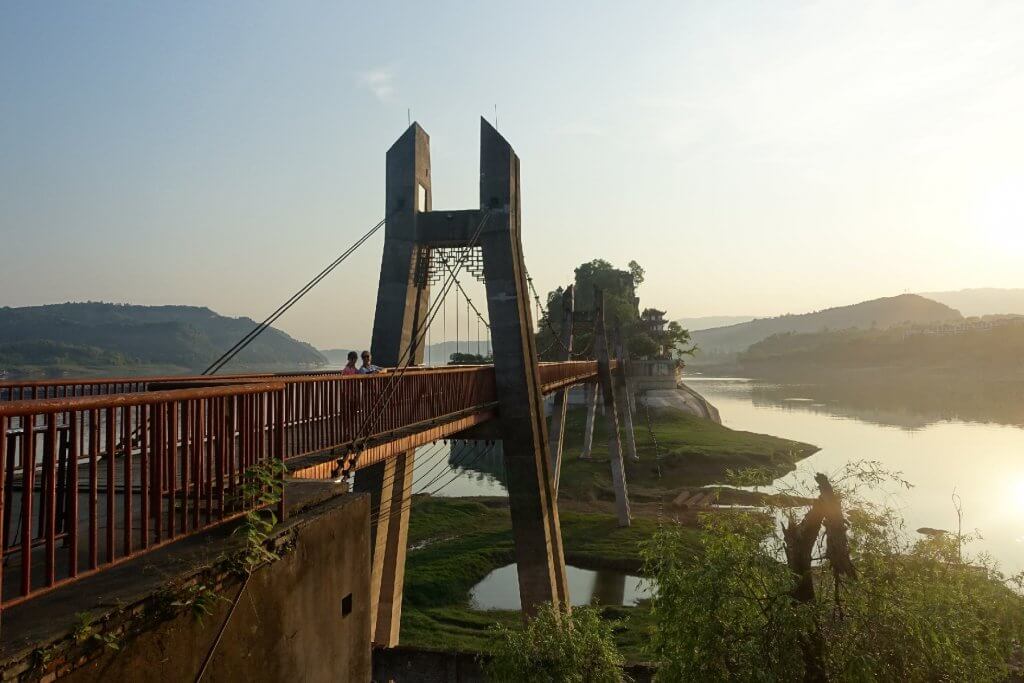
column 94, row 473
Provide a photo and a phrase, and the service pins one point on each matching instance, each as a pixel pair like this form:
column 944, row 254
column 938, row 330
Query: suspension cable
column 452, row 456
column 389, row 390
column 283, row 308
column 542, row 318
column 464, row 468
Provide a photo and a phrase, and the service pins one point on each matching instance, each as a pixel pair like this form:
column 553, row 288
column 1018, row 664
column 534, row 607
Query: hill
column 101, row 338
column 709, row 321
column 722, row 343
column 985, row 301
column 977, row 349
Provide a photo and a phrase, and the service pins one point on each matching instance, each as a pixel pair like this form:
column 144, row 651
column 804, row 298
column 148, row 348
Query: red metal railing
column 38, row 389
column 93, row 472
column 151, row 467
column 559, row 375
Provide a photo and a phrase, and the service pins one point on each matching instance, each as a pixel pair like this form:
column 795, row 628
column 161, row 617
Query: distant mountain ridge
column 433, row 354
column 103, row 336
column 707, row 322
column 981, row 301
column 875, row 314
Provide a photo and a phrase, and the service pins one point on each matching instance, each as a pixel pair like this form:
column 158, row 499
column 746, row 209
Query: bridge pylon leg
column 392, row 560
column 402, row 301
column 531, row 484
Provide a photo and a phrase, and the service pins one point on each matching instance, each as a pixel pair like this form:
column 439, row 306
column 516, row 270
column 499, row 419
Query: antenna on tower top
column 495, row 117
column 408, row 116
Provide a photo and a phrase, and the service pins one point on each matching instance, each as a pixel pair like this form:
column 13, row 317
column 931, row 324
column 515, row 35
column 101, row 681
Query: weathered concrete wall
column 304, row 617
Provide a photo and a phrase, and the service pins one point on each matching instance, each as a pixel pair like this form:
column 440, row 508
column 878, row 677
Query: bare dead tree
column 800, row 538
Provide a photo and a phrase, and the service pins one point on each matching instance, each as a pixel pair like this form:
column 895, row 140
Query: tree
column 569, row 647
column 763, row 603
column 637, row 272
column 621, row 311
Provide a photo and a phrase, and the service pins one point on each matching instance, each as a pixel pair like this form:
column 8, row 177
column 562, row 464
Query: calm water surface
column 982, row 462
column 500, row 588
column 943, row 440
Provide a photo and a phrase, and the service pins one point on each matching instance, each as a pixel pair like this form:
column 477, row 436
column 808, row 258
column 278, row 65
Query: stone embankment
column 685, row 399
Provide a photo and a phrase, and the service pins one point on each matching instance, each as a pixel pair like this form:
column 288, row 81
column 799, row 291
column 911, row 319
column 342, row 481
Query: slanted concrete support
column 401, row 302
column 531, row 494
column 378, row 480
column 625, row 407
column 561, row 398
column 398, row 322
column 392, row 569
column 610, row 411
column 590, row 399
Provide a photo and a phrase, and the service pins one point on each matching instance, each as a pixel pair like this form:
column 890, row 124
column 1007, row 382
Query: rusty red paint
column 187, row 446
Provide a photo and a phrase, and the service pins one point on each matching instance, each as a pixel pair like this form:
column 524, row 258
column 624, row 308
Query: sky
column 755, row 158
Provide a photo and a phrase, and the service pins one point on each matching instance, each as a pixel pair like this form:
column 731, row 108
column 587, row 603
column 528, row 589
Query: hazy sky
column 754, row 157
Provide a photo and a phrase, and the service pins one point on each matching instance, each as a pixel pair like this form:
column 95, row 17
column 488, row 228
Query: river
column 943, row 440
column 980, row 459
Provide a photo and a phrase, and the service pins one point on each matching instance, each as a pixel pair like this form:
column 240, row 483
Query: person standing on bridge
column 368, row 368
column 350, row 366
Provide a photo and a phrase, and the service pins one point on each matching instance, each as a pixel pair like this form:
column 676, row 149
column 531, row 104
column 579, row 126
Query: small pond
column 500, row 588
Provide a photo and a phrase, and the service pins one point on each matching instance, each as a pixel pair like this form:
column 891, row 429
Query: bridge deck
column 96, row 472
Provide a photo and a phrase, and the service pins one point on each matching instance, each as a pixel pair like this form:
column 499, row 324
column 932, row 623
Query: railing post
column 279, row 447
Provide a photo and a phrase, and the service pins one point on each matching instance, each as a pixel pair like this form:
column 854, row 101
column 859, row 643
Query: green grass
column 694, row 452
column 455, row 543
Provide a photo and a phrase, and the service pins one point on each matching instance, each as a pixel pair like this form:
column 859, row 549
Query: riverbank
column 685, row 451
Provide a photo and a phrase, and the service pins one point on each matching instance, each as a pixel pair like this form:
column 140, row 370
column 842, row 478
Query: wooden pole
column 610, row 412
column 561, row 398
column 625, row 407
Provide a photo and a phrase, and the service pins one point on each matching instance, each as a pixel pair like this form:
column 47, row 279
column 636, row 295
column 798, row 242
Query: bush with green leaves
column 569, row 647
column 915, row 610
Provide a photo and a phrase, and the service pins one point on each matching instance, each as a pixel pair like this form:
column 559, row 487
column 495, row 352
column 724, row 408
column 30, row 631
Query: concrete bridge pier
column 402, row 302
column 531, row 484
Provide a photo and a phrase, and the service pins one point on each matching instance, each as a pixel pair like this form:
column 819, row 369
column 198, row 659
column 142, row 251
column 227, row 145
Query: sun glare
column 1002, row 214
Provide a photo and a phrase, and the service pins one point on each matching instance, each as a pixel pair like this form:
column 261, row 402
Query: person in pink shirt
column 350, row 366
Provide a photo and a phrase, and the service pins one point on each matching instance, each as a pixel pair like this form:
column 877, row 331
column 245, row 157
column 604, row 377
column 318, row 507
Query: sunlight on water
column 983, row 463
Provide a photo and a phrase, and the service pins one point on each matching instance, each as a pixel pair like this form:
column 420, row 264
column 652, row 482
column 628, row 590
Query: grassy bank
column 690, row 451
column 455, row 543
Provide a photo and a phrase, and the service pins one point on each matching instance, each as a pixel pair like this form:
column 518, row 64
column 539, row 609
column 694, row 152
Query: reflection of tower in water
column 483, row 457
column 609, row 588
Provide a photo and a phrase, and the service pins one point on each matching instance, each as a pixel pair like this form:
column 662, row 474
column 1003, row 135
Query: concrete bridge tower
column 413, row 231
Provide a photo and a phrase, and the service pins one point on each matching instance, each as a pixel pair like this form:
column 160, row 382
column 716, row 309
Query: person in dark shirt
column 368, row 368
